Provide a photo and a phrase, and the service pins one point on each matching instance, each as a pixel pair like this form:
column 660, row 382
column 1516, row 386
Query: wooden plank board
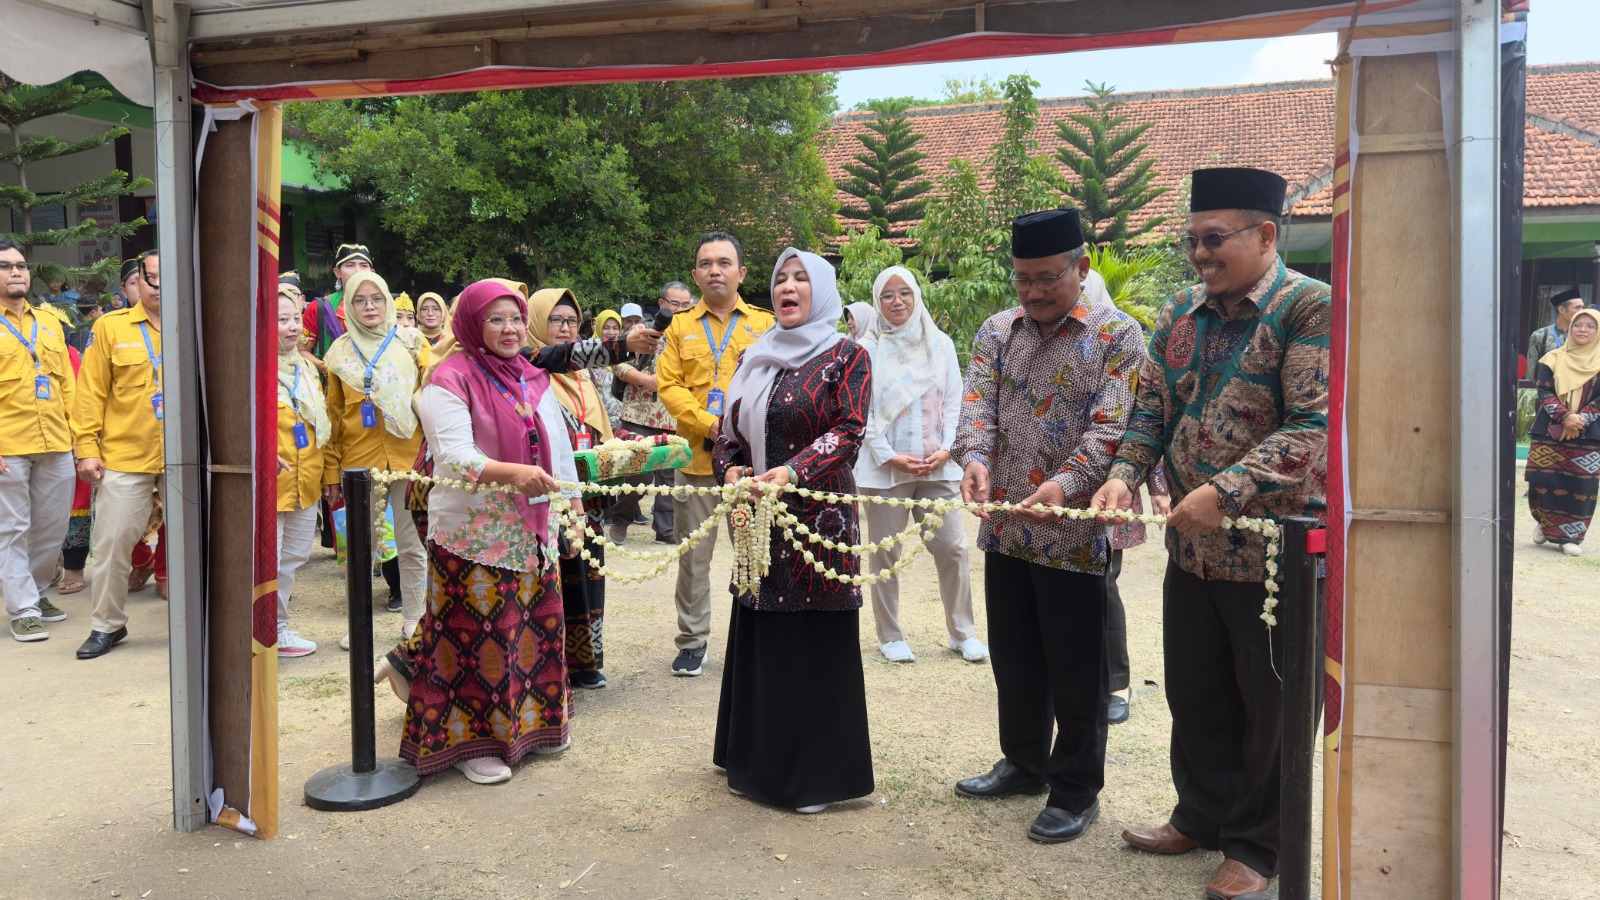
column 1408, row 714
column 1401, row 841
column 1399, row 604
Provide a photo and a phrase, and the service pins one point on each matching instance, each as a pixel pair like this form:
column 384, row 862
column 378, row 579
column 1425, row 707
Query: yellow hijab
column 608, row 315
column 298, row 384
column 394, row 374
column 575, row 390
column 444, row 316
column 1575, row 366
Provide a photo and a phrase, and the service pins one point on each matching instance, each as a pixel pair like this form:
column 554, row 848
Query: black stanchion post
column 366, row 782
column 1300, row 628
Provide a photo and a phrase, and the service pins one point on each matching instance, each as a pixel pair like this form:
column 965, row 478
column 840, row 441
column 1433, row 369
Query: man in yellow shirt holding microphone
column 116, row 428
column 36, row 487
column 700, row 351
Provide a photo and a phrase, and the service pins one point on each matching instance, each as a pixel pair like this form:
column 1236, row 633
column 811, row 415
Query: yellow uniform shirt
column 688, row 368
column 113, row 414
column 301, row 486
column 30, row 423
column 353, row 446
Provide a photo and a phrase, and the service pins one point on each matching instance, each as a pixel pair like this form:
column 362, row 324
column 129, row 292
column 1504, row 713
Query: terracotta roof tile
column 1287, row 128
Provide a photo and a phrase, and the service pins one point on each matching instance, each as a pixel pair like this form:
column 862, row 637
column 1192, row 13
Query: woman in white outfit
column 916, row 400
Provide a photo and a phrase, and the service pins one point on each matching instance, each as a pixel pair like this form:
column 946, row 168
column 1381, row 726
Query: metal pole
column 1475, row 164
column 167, row 25
column 358, row 596
column 366, row 782
column 1300, row 628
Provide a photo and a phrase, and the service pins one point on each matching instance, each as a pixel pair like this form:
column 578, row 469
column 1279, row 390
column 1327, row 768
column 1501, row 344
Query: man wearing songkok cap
column 324, row 319
column 1234, row 397
column 1047, row 396
column 1552, row 336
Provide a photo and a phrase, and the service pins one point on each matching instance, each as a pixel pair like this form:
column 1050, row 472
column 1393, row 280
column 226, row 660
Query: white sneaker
column 810, row 810
column 344, row 642
column 485, row 771
column 1572, row 549
column 897, row 651
column 971, row 649
column 1538, row 536
column 291, row 644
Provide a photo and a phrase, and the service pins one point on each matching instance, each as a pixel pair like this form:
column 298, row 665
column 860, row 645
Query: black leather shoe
column 1003, row 780
column 1117, row 710
column 1057, row 826
column 99, row 643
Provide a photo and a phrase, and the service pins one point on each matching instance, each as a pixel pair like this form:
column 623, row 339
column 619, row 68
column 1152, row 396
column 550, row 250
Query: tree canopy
column 885, row 177
column 600, row 188
column 1114, row 177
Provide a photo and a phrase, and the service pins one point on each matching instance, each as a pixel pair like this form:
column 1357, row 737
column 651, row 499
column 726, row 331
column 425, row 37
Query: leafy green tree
column 958, row 91
column 600, row 188
column 1114, row 180
column 863, row 254
column 21, row 104
column 1024, row 180
column 885, row 177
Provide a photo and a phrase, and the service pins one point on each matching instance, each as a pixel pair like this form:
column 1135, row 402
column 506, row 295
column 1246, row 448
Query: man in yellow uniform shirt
column 36, row 487
column 116, row 429
column 701, row 350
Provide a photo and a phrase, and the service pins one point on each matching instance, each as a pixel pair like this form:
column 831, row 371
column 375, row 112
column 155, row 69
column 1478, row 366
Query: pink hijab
column 498, row 429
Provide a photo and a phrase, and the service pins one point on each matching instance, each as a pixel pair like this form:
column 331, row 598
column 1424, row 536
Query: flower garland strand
column 764, row 510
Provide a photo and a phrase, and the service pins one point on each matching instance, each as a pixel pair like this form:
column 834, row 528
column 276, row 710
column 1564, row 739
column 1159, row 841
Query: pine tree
column 1113, row 180
column 1023, row 179
column 886, row 177
column 21, row 104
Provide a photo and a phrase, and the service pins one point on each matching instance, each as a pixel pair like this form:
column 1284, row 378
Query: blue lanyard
column 293, row 387
column 523, row 409
column 366, row 379
column 150, row 351
column 25, row 342
column 716, row 354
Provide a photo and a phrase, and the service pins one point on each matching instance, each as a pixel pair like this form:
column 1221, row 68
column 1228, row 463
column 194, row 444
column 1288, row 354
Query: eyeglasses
column 1023, row 285
column 562, row 322
column 366, row 301
column 906, row 294
column 1212, row 240
column 503, row 321
column 14, row 267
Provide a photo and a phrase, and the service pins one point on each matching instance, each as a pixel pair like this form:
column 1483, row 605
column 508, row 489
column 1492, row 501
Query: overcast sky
column 1558, row 31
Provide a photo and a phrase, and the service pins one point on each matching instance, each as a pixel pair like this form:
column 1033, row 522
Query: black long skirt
column 792, row 723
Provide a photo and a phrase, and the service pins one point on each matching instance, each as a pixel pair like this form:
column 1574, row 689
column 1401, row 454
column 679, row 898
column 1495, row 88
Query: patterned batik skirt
column 583, row 592
column 1563, row 480
column 487, row 666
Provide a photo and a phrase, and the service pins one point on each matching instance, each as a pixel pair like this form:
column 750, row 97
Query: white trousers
column 410, row 552
column 296, row 532
column 948, row 547
column 35, row 506
column 121, row 513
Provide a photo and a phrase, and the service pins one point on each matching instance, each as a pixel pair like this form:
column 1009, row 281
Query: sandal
column 139, row 577
column 70, row 585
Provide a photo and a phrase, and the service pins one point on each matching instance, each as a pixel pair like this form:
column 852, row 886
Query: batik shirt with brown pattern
column 1048, row 407
column 1241, row 402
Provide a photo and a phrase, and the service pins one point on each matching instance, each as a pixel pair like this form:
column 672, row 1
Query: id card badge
column 582, row 442
column 369, row 414
column 714, row 402
column 158, row 406
column 302, row 439
column 41, row 387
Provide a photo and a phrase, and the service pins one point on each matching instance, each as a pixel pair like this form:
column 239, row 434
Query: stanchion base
column 340, row 789
column 1258, row 895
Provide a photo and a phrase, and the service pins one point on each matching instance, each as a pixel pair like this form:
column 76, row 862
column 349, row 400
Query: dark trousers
column 1116, row 629
column 627, row 505
column 1227, row 715
column 1047, row 639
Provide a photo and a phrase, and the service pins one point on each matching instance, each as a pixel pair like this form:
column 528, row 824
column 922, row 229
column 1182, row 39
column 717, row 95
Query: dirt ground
column 635, row 806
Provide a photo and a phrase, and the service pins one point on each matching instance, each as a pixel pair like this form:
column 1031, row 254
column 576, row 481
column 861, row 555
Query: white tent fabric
column 123, row 57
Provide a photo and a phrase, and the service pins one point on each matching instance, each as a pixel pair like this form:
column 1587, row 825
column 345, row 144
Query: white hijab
column 784, row 349
column 909, row 359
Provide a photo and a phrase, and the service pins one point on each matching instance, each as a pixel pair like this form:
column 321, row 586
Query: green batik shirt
column 1240, row 402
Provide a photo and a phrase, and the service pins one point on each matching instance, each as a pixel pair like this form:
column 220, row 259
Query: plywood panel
column 1409, row 714
column 1400, row 841
column 1399, row 609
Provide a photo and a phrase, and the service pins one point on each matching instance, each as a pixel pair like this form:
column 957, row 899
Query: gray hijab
column 784, row 349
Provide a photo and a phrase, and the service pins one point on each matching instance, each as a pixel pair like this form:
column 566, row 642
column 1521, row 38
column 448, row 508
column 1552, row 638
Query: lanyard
column 366, row 379
column 577, row 398
column 150, row 350
column 716, row 354
column 293, row 387
column 523, row 409
column 28, row 345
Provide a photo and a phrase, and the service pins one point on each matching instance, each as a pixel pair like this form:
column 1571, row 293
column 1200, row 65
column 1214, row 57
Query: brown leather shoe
column 1164, row 839
column 1232, row 879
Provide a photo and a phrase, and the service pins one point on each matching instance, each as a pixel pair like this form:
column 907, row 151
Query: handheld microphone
column 662, row 320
